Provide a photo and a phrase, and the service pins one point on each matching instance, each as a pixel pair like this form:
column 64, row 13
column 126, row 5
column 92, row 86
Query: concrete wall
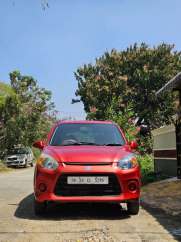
column 164, row 149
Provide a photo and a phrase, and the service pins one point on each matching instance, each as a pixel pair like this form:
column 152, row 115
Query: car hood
column 16, row 156
column 88, row 153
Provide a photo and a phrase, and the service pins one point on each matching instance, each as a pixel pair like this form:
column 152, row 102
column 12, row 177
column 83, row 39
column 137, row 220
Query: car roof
column 84, row 122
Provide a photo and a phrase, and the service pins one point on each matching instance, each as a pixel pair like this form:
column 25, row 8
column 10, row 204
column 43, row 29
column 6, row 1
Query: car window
column 18, row 151
column 100, row 134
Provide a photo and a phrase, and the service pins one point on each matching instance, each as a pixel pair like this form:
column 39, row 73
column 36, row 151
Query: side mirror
column 39, row 144
column 133, row 145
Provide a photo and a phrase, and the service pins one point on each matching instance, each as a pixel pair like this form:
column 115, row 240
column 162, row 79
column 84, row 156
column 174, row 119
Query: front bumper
column 50, row 178
column 15, row 163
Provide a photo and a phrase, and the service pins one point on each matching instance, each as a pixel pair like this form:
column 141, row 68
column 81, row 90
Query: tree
column 27, row 114
column 8, row 108
column 44, row 4
column 130, row 77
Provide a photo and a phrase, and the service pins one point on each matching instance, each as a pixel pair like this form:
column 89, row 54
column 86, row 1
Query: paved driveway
column 78, row 222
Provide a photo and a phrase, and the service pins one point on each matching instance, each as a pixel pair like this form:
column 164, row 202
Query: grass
column 3, row 168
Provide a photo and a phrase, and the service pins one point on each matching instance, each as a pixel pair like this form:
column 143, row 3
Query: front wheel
column 39, row 207
column 26, row 164
column 31, row 164
column 133, row 206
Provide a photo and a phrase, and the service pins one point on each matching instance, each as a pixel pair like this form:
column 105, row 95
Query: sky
column 51, row 44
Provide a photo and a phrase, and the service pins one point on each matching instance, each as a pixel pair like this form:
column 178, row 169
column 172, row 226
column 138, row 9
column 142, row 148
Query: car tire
column 26, row 164
column 31, row 164
column 39, row 207
column 133, row 207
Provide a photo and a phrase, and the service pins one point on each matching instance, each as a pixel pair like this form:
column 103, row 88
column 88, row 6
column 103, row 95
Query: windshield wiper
column 114, row 144
column 80, row 143
column 87, row 143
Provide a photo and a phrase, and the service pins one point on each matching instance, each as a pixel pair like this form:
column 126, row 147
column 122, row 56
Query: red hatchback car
column 86, row 161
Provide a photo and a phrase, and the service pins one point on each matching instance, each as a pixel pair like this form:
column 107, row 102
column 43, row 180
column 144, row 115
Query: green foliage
column 26, row 112
column 147, row 168
column 130, row 78
column 36, row 152
column 146, row 163
column 5, row 90
column 122, row 118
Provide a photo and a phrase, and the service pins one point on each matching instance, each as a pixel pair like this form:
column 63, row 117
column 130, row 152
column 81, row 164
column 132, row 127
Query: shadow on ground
column 76, row 211
column 99, row 211
column 19, row 167
column 171, row 223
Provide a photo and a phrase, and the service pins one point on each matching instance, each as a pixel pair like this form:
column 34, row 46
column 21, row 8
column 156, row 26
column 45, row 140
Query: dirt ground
column 76, row 222
column 165, row 195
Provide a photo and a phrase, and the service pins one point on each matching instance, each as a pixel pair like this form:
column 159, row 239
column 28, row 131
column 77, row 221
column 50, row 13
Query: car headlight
column 47, row 162
column 128, row 162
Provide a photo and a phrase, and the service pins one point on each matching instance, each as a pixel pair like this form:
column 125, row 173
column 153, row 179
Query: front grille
column 13, row 162
column 64, row 189
column 12, row 159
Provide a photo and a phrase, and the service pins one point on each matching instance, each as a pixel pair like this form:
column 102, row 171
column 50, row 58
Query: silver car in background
column 19, row 157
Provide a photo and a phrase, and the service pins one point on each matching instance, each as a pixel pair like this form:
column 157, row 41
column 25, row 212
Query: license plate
column 87, row 180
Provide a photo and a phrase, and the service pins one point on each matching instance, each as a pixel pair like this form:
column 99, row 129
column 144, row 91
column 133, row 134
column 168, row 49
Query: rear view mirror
column 39, row 144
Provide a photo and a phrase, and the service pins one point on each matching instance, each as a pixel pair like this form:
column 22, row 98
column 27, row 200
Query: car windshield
column 87, row 134
column 18, row 151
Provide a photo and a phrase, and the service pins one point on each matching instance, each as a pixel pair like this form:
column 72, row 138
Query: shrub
column 147, row 168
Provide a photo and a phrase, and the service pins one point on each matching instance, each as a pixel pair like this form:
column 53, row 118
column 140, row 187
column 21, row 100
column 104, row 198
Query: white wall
column 164, row 138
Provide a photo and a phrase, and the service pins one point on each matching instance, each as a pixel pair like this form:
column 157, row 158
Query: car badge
column 87, row 168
